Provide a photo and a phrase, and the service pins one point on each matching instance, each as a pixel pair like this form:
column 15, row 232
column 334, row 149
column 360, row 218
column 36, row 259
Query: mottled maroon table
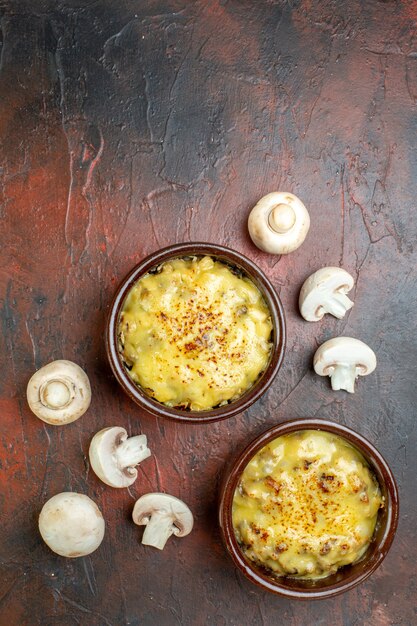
column 128, row 125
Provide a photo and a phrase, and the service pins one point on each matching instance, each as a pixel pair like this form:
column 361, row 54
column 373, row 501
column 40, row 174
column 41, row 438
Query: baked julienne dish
column 306, row 505
column 195, row 333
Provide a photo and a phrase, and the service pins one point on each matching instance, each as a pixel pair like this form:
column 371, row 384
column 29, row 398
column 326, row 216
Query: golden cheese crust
column 306, row 505
column 195, row 334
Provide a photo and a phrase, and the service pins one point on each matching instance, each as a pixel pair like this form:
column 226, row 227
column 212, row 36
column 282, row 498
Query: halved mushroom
column 325, row 292
column 114, row 456
column 344, row 359
column 71, row 524
column 279, row 223
column 163, row 515
column 59, row 393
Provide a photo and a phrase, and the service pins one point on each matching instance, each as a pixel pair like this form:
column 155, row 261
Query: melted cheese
column 195, row 335
column 306, row 505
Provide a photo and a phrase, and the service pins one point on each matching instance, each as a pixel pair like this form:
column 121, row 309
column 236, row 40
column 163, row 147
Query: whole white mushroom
column 279, row 223
column 344, row 359
column 163, row 515
column 59, row 393
column 325, row 292
column 71, row 524
column 114, row 456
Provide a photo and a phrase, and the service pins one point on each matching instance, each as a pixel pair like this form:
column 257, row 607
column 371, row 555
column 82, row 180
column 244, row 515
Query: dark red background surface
column 130, row 125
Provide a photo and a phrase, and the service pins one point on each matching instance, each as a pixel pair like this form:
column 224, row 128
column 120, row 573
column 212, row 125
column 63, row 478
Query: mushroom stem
column 158, row 530
column 281, row 218
column 338, row 305
column 132, row 451
column 343, row 377
column 57, row 393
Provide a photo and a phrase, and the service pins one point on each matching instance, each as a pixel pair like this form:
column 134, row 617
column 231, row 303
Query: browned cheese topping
column 195, row 334
column 306, row 505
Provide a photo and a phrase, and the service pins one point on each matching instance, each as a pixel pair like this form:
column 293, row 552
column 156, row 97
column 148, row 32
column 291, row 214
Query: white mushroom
column 114, row 456
column 71, row 524
column 344, row 359
column 325, row 292
column 279, row 223
column 59, row 393
column 163, row 515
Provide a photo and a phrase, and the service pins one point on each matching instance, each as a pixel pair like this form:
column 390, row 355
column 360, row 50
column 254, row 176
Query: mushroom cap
column 319, row 287
column 279, row 223
column 59, row 393
column 105, row 462
column 166, row 505
column 71, row 524
column 346, row 351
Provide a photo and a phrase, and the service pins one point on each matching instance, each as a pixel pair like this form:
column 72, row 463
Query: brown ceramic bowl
column 234, row 259
column 348, row 576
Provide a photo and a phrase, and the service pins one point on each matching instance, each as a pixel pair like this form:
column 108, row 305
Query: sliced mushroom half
column 325, row 292
column 344, row 359
column 59, row 393
column 71, row 524
column 279, row 223
column 163, row 515
column 114, row 456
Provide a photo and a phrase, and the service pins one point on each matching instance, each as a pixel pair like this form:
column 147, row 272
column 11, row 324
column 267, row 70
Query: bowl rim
column 378, row 465
column 231, row 257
